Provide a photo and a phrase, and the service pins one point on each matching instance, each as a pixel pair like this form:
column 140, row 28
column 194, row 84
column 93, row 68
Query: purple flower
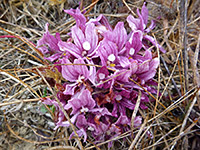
column 134, row 44
column 133, row 66
column 154, row 42
column 122, row 120
column 70, row 88
column 75, row 72
column 80, row 103
column 151, row 71
column 102, row 75
column 108, row 53
column 78, row 16
column 137, row 121
column 122, row 102
column 100, row 131
column 122, row 75
column 117, row 36
column 102, row 24
column 144, row 67
column 89, row 124
column 140, row 24
column 48, row 41
column 83, row 102
column 82, row 125
column 49, row 44
column 71, row 48
column 85, row 42
column 98, row 65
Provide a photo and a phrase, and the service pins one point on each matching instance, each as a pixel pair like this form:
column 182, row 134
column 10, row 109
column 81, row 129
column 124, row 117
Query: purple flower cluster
column 98, row 64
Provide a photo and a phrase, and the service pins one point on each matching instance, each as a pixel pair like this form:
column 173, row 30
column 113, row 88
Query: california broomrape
column 99, row 64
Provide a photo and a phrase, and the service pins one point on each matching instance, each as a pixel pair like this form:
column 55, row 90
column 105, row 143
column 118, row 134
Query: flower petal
column 134, row 23
column 48, row 43
column 144, row 13
column 68, row 71
column 81, row 122
column 124, row 75
column 91, row 36
column 152, row 40
column 87, row 100
column 71, row 48
column 72, row 73
column 106, row 49
column 81, row 69
column 102, row 73
column 118, row 35
column 124, row 61
column 152, row 70
column 78, row 16
column 78, row 36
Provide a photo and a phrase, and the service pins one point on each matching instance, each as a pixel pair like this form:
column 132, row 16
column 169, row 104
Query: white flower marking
column 84, row 109
column 118, row 97
column 86, row 46
column 111, row 57
column 80, row 78
column 84, row 53
column 102, row 76
column 132, row 51
column 90, row 128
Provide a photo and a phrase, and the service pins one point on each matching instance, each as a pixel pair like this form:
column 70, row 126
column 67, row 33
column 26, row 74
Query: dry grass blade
column 94, row 2
column 129, row 8
column 183, row 40
column 173, row 105
column 174, row 83
column 194, row 62
column 27, row 42
column 23, row 28
column 138, row 135
column 157, row 142
column 186, row 116
column 186, row 131
column 62, row 148
column 11, row 76
column 170, row 76
column 23, row 139
column 23, row 51
column 135, row 110
column 19, row 101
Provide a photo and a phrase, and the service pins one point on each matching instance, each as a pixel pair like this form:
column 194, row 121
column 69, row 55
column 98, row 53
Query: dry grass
column 174, row 118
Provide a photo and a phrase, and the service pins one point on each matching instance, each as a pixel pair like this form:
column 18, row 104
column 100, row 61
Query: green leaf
column 43, row 109
column 45, row 92
column 52, row 107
